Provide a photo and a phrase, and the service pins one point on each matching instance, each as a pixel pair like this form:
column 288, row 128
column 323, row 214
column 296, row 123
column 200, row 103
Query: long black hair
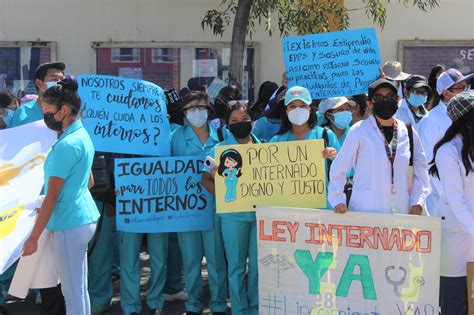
column 286, row 123
column 434, row 97
column 64, row 93
column 233, row 155
column 464, row 127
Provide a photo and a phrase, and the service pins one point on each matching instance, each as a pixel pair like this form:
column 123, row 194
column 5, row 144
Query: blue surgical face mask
column 50, row 84
column 417, row 100
column 197, row 117
column 8, row 118
column 342, row 120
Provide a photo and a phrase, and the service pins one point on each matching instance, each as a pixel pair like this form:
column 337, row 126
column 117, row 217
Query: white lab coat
column 431, row 129
column 364, row 150
column 406, row 115
column 456, row 205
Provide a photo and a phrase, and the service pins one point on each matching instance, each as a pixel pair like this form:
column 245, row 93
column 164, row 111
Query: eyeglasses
column 390, row 97
column 420, row 92
column 464, row 88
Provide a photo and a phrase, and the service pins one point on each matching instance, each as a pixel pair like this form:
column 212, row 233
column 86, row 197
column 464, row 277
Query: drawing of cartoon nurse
column 230, row 167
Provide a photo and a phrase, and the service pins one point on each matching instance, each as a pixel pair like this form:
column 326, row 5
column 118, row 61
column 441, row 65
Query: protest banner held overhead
column 319, row 262
column 125, row 115
column 162, row 195
column 23, row 152
column 283, row 174
column 334, row 64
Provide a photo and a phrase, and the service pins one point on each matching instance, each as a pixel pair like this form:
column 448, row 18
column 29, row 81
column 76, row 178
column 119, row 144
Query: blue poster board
column 125, row 115
column 162, row 195
column 333, row 64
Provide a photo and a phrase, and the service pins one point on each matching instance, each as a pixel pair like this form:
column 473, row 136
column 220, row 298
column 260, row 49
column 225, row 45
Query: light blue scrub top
column 26, row 113
column 71, row 159
column 265, row 128
column 239, row 216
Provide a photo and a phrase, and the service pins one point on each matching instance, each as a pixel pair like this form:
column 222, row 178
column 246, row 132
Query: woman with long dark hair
column 433, row 98
column 454, row 166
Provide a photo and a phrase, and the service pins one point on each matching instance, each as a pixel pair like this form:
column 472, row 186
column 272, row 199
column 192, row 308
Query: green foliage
column 303, row 16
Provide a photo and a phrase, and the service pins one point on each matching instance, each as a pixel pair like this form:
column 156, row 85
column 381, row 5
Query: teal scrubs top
column 185, row 142
column 71, row 158
column 239, row 216
column 265, row 128
column 27, row 113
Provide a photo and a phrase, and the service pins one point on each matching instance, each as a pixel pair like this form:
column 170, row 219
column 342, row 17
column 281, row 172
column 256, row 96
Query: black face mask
column 52, row 123
column 385, row 109
column 241, row 130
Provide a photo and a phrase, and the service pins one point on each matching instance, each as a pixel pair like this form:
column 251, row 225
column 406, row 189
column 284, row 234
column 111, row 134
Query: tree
column 293, row 16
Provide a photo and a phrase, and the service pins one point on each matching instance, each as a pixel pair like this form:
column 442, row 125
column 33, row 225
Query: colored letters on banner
column 125, row 115
column 162, row 195
column 319, row 262
column 283, row 174
column 23, row 151
column 333, row 64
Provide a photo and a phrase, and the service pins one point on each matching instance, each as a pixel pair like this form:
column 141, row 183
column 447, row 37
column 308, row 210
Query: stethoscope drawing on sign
column 417, row 281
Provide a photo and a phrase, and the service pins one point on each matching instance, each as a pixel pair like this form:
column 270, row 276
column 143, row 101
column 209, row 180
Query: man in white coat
column 378, row 149
column 412, row 108
column 433, row 127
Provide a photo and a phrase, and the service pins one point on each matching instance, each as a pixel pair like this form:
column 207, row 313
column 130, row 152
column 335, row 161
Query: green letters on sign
column 365, row 277
column 314, row 270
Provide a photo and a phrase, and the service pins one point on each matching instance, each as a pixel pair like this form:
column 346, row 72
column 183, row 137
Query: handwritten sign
column 319, row 262
column 162, row 195
column 333, row 64
column 125, row 115
column 283, row 174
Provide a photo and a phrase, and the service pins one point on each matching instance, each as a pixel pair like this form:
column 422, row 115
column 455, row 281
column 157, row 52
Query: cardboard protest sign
column 284, row 174
column 125, row 115
column 23, row 151
column 333, row 64
column 162, row 195
column 319, row 262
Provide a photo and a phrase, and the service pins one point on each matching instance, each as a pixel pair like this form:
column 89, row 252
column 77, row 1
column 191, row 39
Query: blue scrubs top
column 239, row 216
column 26, row 113
column 265, row 128
column 71, row 159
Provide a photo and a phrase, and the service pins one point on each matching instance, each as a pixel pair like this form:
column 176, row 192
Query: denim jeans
column 71, row 250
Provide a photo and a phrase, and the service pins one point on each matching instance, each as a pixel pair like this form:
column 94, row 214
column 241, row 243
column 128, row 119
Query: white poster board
column 319, row 262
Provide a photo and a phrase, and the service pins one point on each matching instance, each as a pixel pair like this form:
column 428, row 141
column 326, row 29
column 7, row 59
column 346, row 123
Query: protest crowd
column 404, row 147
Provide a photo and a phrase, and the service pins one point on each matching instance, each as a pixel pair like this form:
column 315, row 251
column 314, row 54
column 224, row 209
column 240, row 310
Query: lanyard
column 391, row 152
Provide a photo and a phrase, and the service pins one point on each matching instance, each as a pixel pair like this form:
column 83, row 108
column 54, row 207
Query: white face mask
column 298, row 116
column 51, row 84
column 197, row 117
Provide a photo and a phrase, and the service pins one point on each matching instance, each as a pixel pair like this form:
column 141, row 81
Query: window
column 162, row 55
column 18, row 63
column 125, row 55
column 177, row 65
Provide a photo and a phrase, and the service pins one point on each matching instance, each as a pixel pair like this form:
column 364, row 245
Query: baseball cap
column 417, row 81
column 449, row 78
column 460, row 105
column 393, row 71
column 379, row 84
column 332, row 103
column 298, row 93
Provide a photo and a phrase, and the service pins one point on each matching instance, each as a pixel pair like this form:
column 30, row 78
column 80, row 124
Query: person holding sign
column 198, row 139
column 68, row 210
column 299, row 123
column 239, row 229
column 380, row 149
column 454, row 166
